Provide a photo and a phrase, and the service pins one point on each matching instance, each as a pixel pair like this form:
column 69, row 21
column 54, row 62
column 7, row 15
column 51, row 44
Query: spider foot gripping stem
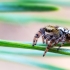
column 33, row 44
column 43, row 55
column 58, row 48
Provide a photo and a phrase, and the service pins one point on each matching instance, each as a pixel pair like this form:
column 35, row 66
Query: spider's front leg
column 50, row 45
column 46, row 50
column 34, row 41
column 43, row 39
column 36, row 38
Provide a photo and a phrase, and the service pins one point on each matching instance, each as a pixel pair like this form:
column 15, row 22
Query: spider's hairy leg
column 37, row 35
column 43, row 40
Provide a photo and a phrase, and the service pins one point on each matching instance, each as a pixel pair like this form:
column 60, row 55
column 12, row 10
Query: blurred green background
column 19, row 21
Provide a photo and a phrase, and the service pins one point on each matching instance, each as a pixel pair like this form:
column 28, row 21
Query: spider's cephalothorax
column 52, row 29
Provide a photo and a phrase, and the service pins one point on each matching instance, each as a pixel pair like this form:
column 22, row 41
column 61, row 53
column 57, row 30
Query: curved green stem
column 29, row 46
